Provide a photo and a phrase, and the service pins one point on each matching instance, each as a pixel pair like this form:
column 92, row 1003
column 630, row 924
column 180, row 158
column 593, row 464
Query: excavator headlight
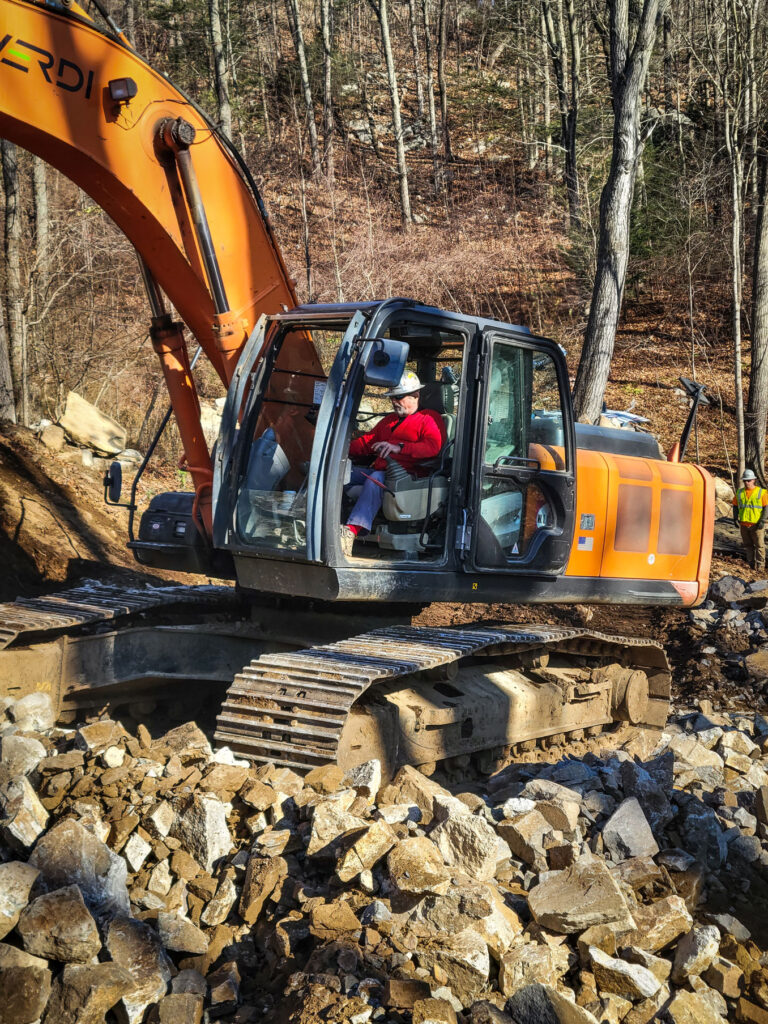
column 122, row 90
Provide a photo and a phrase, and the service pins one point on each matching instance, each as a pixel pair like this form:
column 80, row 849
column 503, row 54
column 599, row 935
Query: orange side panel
column 643, row 519
column 54, row 100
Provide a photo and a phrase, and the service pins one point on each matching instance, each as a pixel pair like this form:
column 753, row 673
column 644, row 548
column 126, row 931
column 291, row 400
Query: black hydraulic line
column 154, row 295
column 120, row 35
column 132, row 506
column 696, row 392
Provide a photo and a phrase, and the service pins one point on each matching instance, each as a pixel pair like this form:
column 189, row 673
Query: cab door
column 522, row 480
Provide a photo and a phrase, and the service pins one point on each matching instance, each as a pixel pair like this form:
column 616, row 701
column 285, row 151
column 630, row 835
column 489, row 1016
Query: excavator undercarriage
column 404, row 694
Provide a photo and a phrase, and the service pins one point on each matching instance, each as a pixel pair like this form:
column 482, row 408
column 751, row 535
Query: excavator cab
column 496, row 500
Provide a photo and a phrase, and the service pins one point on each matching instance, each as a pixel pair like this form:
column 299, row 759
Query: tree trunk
column 380, row 8
column 294, row 20
column 326, row 28
column 413, row 24
column 221, row 72
column 42, row 229
column 17, row 343
column 442, row 43
column 629, row 60
column 737, row 181
column 433, row 138
column 7, row 402
column 547, row 102
column 757, row 399
column 566, row 66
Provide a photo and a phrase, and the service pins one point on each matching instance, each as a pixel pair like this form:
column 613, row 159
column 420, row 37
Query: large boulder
column 71, row 855
column 136, row 947
column 84, row 994
column 468, row 844
column 58, row 926
column 583, row 895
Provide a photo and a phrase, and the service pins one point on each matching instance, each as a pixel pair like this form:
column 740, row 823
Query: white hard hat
column 748, row 475
column 409, row 383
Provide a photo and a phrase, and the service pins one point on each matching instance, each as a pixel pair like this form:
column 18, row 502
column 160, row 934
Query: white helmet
column 409, row 383
column 748, row 475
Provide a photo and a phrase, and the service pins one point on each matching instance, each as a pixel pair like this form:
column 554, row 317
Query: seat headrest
column 438, row 397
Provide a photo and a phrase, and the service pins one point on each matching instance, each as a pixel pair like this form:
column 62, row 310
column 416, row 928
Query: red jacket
column 422, row 435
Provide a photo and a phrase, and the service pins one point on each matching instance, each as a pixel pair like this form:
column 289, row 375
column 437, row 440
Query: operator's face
column 749, row 484
column 406, row 404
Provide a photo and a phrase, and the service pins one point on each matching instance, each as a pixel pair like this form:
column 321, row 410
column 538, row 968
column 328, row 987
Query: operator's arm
column 736, row 511
column 428, row 443
column 362, row 446
column 761, row 522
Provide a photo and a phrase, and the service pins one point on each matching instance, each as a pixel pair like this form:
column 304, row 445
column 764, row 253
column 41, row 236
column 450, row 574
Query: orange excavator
column 520, row 503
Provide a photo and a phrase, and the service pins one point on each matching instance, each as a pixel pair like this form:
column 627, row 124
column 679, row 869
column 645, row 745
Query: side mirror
column 384, row 360
column 113, row 483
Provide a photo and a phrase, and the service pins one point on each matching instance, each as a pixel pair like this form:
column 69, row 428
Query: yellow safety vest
column 750, row 504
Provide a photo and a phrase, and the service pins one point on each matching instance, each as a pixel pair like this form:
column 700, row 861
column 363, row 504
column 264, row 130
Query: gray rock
column 582, row 895
column 136, row 947
column 701, row 835
column 22, row 817
column 16, row 881
column 33, row 713
column 628, row 834
column 468, row 844
column 202, row 827
column 618, row 977
column 21, row 754
column 676, row 860
column 464, row 958
column 638, row 782
column 178, row 933
column 365, row 779
column 70, row 855
column 695, row 952
column 190, row 980
column 727, row 589
column 730, row 925
column 745, row 848
column 24, row 992
column 542, row 1004
column 58, row 926
column 84, row 994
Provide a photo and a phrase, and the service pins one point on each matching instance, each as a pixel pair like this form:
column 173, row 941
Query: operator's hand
column 384, row 449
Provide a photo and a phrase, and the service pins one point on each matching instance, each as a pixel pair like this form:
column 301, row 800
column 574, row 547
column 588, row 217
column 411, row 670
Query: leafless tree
column 221, row 72
column 632, row 37
column 294, row 20
column 380, row 9
column 563, row 28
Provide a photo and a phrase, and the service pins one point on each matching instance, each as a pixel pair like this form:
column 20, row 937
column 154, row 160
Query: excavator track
column 293, row 709
column 93, row 602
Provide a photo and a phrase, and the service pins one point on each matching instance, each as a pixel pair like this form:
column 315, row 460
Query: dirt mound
column 54, row 524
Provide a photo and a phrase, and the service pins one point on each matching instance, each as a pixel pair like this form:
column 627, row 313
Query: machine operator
column 409, row 435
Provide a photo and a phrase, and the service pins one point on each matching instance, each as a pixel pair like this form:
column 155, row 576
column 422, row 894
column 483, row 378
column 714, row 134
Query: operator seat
column 440, row 398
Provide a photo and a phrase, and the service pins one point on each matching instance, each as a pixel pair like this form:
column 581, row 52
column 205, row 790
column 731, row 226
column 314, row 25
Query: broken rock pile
column 151, row 880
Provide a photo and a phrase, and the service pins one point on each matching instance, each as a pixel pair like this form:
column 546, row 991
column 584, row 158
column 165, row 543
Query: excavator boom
column 65, row 90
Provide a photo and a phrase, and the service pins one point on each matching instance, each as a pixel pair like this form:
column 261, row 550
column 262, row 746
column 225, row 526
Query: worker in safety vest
column 749, row 511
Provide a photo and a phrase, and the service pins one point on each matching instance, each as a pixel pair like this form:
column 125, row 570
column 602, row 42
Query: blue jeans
column 368, row 504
